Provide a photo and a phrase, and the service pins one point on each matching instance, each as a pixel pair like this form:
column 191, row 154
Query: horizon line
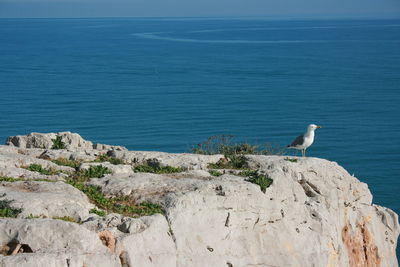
column 276, row 17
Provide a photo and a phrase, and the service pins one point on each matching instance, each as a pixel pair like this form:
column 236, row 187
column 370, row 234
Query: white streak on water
column 292, row 28
column 157, row 36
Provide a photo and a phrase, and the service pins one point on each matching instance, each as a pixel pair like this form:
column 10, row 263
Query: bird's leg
column 303, row 152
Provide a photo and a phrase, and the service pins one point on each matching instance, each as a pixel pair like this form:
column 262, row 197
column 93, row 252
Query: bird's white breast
column 308, row 139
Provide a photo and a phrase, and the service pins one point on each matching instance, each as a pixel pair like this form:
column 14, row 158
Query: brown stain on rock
column 108, row 240
column 360, row 246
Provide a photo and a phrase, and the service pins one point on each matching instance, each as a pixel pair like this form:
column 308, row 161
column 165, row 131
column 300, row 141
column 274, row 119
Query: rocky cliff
column 313, row 214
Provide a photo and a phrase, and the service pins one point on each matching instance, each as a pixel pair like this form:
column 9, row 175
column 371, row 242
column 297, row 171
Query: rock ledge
column 313, row 214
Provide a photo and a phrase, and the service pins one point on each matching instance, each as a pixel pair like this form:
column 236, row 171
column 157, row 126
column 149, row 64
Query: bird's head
column 313, row 127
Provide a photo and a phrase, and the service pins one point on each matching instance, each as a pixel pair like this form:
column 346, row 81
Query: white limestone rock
column 144, row 186
column 313, row 214
column 72, row 141
column 150, row 244
column 46, row 199
column 119, row 169
column 44, row 140
column 61, row 260
column 49, row 242
column 15, row 164
column 182, row 160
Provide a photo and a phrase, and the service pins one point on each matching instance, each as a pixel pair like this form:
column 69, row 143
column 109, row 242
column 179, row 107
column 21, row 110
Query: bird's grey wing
column 298, row 141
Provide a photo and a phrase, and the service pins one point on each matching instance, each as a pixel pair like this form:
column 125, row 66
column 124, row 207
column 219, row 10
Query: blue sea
column 166, row 84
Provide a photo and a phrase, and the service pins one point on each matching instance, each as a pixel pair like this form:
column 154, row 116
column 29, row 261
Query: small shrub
column 213, row 145
column 248, row 173
column 157, row 169
column 223, row 144
column 254, row 177
column 83, row 175
column 230, row 162
column 65, row 218
column 104, row 158
column 58, row 143
column 66, row 162
column 215, row 173
column 98, row 212
column 96, row 171
column 38, row 168
column 6, row 210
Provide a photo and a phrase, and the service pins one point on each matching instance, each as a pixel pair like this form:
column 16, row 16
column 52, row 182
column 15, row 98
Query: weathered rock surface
column 46, row 199
column 313, row 214
column 14, row 164
column 72, row 141
column 52, row 243
column 183, row 160
column 115, row 169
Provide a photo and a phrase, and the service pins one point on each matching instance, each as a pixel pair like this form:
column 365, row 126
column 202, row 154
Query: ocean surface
column 168, row 84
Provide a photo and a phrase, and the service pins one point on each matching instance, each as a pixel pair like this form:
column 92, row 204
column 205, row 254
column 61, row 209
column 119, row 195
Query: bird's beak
column 319, row 127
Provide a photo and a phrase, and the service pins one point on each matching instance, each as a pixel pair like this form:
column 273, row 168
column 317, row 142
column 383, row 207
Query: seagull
column 303, row 141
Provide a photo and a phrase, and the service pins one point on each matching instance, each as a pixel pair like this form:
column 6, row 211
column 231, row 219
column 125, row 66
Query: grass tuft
column 6, row 210
column 105, row 157
column 254, row 177
column 101, row 213
column 224, row 144
column 38, row 168
column 58, row 143
column 121, row 205
column 65, row 218
column 10, row 179
column 30, row 216
column 94, row 171
column 66, row 162
column 230, row 162
column 157, row 169
column 215, row 173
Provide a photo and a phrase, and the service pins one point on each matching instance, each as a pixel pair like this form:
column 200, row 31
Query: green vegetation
column 30, row 216
column 224, row 144
column 66, row 162
column 254, row 177
column 230, row 162
column 248, row 173
column 94, row 171
column 98, row 212
column 66, row 218
column 105, row 157
column 291, row 159
column 6, row 210
column 157, row 169
column 10, row 179
column 38, row 168
column 58, row 143
column 233, row 152
column 215, row 173
column 121, row 205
